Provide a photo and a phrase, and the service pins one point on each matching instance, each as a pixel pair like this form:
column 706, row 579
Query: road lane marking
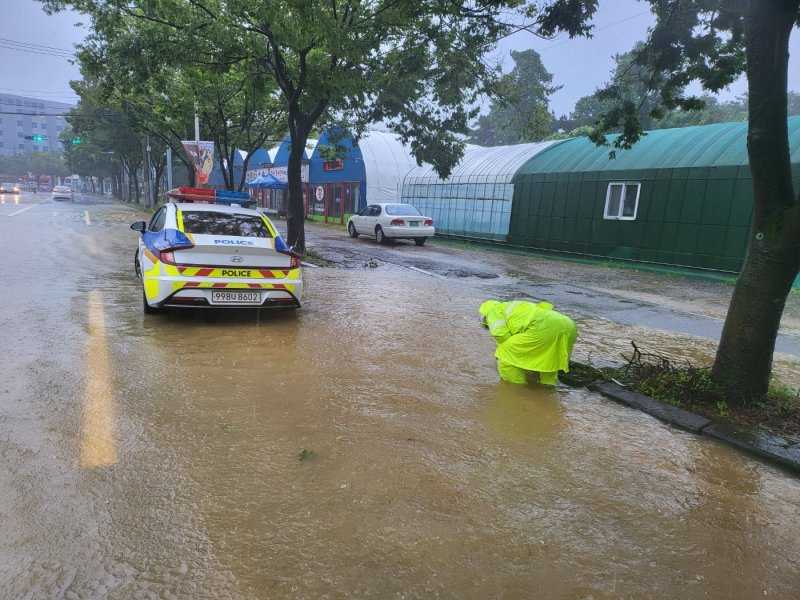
column 22, row 210
column 424, row 272
column 98, row 444
column 86, row 217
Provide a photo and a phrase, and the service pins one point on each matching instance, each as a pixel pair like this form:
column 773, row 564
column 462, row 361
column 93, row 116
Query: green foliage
column 660, row 377
column 305, row 454
column 784, row 396
column 520, row 113
column 416, row 67
column 37, row 163
column 712, row 43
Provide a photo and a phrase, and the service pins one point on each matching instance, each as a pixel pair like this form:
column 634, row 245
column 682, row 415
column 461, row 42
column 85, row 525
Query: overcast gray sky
column 34, row 46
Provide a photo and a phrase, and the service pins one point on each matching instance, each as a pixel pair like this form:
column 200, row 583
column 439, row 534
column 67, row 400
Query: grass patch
column 619, row 265
column 683, row 384
column 315, row 258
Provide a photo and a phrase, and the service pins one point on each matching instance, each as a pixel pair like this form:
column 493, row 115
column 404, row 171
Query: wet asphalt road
column 592, row 290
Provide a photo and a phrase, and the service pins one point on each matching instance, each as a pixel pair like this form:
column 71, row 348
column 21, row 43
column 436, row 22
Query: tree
column 713, row 42
column 44, row 163
column 521, row 112
column 629, row 84
column 416, row 67
column 161, row 88
column 240, row 112
column 104, row 127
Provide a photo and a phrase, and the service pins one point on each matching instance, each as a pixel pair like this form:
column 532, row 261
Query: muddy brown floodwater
column 359, row 447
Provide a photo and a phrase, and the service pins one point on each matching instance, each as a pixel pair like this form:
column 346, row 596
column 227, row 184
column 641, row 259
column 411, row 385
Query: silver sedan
column 387, row 221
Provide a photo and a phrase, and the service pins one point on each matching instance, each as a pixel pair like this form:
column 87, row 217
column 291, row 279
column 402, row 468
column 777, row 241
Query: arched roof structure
column 386, row 162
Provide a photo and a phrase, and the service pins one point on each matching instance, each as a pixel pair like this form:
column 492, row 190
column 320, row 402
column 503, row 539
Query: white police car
column 214, row 253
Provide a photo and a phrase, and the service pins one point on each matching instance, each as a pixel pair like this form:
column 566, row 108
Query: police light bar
column 209, row 196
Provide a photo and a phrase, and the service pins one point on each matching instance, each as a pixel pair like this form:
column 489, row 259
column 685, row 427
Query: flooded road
column 359, row 447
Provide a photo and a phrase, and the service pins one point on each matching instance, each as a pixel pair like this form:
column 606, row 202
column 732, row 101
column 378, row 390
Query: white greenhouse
column 475, row 201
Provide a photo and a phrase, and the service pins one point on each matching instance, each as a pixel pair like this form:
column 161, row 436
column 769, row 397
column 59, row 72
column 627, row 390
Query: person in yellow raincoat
column 530, row 337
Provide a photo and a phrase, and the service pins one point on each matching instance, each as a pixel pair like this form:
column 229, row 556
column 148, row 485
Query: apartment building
column 23, row 118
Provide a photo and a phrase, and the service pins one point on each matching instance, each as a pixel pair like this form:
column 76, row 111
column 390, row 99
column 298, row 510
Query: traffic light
column 75, row 142
column 36, row 138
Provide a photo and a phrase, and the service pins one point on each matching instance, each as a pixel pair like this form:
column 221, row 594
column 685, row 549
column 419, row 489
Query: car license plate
column 235, row 297
column 414, row 223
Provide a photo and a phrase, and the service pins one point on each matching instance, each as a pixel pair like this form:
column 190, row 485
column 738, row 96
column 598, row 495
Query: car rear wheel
column 379, row 235
column 420, row 241
column 351, row 229
column 148, row 310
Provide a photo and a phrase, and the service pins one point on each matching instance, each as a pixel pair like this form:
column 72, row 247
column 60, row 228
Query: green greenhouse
column 679, row 197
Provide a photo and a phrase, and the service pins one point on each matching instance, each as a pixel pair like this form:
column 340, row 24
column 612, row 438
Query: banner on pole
column 202, row 156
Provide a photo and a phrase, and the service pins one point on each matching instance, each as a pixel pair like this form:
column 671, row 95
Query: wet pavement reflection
column 362, row 446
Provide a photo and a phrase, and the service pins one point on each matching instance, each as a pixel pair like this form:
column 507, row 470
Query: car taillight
column 428, row 222
column 397, row 222
column 166, row 256
column 294, row 263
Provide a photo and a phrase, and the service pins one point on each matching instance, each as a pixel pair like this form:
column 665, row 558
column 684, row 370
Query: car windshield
column 402, row 210
column 214, row 223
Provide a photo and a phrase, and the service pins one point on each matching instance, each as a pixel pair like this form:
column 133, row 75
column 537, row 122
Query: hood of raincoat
column 484, row 310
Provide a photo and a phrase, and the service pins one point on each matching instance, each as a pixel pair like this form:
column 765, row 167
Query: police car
column 208, row 250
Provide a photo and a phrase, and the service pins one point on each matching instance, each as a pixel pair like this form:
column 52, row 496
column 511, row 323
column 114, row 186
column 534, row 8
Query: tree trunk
column 295, row 211
column 743, row 363
column 160, row 168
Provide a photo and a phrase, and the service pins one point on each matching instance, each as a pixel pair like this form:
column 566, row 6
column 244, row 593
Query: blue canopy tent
column 266, row 182
column 272, row 202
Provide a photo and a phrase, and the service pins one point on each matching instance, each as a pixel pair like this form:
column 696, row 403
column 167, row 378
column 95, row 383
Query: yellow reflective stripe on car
column 243, row 286
column 179, row 220
column 269, row 227
column 235, row 272
column 151, row 288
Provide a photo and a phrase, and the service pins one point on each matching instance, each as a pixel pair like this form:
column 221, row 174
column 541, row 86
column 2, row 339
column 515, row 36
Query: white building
column 22, row 118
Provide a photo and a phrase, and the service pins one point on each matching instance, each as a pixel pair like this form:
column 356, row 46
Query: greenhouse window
column 622, row 201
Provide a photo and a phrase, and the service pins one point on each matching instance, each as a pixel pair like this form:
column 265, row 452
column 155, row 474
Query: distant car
column 63, row 192
column 195, row 254
column 388, row 221
column 9, row 188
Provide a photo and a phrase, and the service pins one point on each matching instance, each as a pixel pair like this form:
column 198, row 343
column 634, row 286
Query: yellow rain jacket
column 530, row 337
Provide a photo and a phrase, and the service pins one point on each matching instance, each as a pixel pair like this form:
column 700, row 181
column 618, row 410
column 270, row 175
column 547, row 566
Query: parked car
column 195, row 254
column 9, row 188
column 62, row 192
column 387, row 221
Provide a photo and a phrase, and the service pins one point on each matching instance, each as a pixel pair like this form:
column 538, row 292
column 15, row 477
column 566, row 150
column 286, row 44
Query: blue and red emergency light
column 209, row 196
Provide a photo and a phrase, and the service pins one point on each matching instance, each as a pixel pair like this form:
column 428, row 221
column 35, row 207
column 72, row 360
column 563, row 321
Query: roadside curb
column 782, row 450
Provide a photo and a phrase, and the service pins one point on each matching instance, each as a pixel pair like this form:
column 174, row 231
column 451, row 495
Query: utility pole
column 152, row 198
column 199, row 165
column 146, row 173
column 169, row 167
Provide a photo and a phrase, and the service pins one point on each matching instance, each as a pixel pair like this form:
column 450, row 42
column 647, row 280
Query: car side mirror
column 139, row 226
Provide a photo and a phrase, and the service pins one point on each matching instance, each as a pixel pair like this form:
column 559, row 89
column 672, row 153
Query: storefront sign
column 281, row 173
